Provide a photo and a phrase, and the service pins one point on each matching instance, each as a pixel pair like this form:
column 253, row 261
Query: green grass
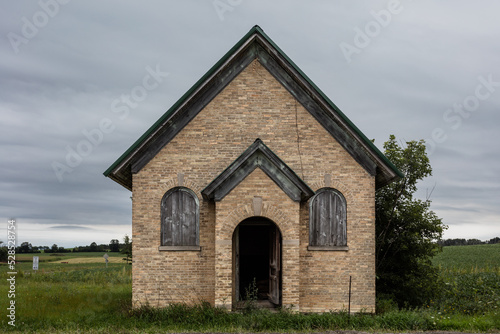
column 471, row 280
column 67, row 296
column 87, row 297
column 478, row 258
column 204, row 317
column 47, row 257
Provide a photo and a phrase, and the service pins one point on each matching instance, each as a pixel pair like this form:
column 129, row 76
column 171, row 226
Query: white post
column 35, row 263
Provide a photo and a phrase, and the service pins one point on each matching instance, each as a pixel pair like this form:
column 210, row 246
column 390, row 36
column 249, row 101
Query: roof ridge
column 330, row 116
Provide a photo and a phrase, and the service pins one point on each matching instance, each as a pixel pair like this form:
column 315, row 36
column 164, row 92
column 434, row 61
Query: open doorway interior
column 258, row 267
column 254, row 261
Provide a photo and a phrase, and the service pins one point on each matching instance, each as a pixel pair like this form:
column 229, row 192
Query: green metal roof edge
column 341, row 114
column 179, row 102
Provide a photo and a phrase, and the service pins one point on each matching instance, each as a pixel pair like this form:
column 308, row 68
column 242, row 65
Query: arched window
column 180, row 218
column 327, row 219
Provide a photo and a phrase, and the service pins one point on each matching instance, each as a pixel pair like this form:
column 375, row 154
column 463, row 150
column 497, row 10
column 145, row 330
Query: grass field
column 471, row 278
column 474, row 258
column 84, row 296
column 51, row 257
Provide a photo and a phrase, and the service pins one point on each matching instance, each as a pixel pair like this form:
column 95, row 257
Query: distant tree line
column 94, row 247
column 113, row 246
column 467, row 242
column 26, row 247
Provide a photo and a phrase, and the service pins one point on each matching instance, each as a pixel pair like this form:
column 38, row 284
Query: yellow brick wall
column 254, row 105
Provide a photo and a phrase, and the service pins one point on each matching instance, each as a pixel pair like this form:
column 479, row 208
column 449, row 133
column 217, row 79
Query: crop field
column 75, row 292
column 478, row 258
column 471, row 279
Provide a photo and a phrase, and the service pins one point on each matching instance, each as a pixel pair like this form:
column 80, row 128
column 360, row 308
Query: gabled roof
column 254, row 45
column 258, row 155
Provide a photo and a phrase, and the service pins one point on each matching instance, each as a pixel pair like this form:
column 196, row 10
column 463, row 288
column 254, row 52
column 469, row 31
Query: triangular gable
column 258, row 155
column 254, row 45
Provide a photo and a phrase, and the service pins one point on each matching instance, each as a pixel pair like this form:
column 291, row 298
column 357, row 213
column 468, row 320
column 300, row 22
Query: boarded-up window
column 179, row 218
column 327, row 219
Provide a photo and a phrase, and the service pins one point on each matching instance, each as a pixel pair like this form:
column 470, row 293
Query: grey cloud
column 71, row 227
column 64, row 80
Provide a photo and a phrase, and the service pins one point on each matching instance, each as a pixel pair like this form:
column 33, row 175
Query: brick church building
column 254, row 177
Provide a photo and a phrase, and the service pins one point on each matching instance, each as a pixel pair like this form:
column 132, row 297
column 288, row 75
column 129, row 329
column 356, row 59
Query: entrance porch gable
column 239, row 205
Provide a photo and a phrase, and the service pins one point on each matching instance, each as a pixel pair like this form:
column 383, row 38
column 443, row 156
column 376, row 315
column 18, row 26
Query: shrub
column 385, row 303
column 469, row 293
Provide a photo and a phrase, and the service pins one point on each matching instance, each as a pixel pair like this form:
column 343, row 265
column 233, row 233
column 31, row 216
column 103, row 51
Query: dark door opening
column 257, row 243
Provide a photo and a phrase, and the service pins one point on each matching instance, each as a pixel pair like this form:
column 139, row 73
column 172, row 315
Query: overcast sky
column 415, row 69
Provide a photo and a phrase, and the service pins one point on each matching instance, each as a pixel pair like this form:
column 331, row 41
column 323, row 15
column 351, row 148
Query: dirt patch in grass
column 90, row 260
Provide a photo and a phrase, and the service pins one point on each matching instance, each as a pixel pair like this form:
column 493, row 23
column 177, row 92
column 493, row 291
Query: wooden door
column 274, row 265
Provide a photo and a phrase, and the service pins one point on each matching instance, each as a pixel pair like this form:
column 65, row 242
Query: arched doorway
column 257, row 261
